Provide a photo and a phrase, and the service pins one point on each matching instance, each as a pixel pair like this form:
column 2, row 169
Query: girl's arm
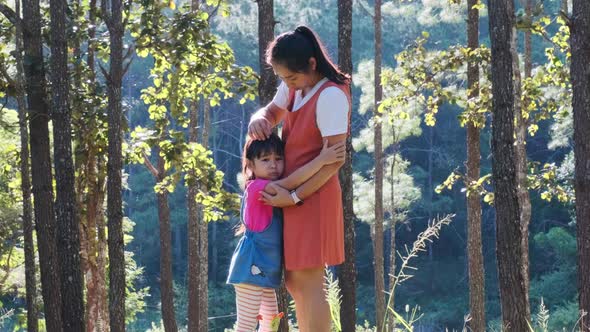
column 266, row 118
column 280, row 196
column 328, row 155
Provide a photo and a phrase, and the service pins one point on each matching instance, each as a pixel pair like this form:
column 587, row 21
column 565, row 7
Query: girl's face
column 268, row 167
column 297, row 80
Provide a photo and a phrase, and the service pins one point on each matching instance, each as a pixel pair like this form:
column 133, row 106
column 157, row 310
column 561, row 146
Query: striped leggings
column 252, row 301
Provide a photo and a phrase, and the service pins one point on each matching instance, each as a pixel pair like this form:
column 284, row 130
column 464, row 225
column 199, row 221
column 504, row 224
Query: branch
column 104, row 14
column 10, row 15
column 150, row 166
column 368, row 12
column 104, row 73
column 126, row 68
column 214, row 11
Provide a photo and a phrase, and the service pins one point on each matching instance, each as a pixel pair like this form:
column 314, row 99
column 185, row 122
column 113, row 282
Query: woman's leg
column 308, row 291
column 268, row 309
column 247, row 306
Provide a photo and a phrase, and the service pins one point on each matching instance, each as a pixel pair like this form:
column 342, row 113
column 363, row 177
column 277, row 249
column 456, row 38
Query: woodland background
column 171, row 87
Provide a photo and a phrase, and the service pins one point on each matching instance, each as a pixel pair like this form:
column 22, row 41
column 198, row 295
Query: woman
column 313, row 101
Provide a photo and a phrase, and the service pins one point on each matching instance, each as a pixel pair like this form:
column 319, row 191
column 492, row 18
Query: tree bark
column 474, row 240
column 193, row 235
column 112, row 10
column 580, row 76
column 524, row 199
column 45, row 223
column 166, row 276
column 378, row 227
column 509, row 235
column 68, row 243
column 25, row 170
column 266, row 26
column 204, row 239
column 347, row 271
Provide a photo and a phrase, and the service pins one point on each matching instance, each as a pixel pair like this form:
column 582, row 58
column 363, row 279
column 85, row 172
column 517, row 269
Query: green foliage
column 189, row 64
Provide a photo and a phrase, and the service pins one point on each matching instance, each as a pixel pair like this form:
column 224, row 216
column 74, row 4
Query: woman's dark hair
column 255, row 149
column 294, row 49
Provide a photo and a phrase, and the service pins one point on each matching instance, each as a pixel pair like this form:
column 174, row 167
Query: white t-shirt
column 331, row 110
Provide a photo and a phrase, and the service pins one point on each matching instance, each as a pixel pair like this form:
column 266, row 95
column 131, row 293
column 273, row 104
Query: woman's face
column 297, row 80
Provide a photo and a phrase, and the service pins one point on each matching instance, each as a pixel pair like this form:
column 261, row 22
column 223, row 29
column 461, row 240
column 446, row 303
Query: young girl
column 255, row 269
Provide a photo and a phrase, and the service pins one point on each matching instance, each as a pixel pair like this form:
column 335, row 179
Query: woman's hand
column 281, row 199
column 259, row 128
column 332, row 154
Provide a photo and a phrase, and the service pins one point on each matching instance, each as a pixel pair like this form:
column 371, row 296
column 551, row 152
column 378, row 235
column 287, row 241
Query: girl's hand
column 259, row 128
column 332, row 154
column 281, row 199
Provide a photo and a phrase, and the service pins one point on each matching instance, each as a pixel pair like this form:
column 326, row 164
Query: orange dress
column 313, row 232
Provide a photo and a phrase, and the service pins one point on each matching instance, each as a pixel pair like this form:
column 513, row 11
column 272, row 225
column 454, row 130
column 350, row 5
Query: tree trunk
column 266, row 26
column 347, row 271
column 193, row 235
column 25, row 171
column 524, row 199
column 204, row 239
column 378, row 227
column 166, row 276
column 45, row 223
column 92, row 272
column 564, row 6
column 509, row 236
column 580, row 69
column 474, row 241
column 520, row 159
column 68, row 243
column 112, row 12
column 103, row 312
column 392, row 247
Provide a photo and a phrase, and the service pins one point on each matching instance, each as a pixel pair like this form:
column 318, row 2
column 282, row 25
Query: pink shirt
column 257, row 215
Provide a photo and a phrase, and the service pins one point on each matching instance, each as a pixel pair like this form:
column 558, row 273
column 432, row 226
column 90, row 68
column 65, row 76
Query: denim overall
column 258, row 256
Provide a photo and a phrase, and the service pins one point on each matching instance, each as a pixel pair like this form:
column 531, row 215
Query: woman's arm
column 282, row 198
column 266, row 118
column 328, row 155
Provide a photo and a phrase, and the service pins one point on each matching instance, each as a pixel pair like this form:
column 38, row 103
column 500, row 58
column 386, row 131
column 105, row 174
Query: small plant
column 543, row 317
column 432, row 232
column 334, row 299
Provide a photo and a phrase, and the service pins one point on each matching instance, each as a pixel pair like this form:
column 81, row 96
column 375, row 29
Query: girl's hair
column 255, row 149
column 294, row 49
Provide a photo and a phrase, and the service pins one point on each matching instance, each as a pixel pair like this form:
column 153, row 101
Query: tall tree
column 580, row 69
column 68, row 243
column 204, row 233
column 378, row 226
column 520, row 157
column 194, row 262
column 112, row 11
column 474, row 242
column 266, row 90
column 266, row 32
column 166, row 276
column 25, row 172
column 513, row 297
column 45, row 223
column 347, row 271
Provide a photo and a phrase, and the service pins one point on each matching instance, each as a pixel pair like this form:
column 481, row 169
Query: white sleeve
column 332, row 112
column 281, row 98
